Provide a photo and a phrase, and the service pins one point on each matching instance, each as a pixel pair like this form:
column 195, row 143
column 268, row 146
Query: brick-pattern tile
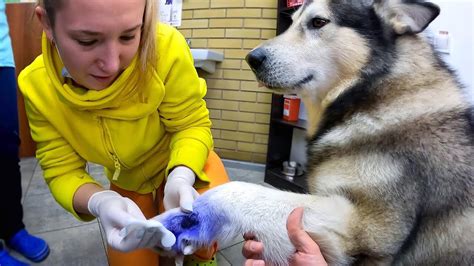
column 239, row 107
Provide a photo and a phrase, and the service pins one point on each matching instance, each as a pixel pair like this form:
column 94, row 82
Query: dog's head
column 334, row 40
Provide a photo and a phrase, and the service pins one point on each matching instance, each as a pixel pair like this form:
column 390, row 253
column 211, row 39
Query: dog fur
column 390, row 143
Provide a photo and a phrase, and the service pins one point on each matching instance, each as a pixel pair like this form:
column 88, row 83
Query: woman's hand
column 307, row 251
column 125, row 226
column 252, row 250
column 179, row 190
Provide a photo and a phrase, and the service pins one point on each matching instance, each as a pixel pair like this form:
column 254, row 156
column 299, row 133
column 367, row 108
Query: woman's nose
column 109, row 59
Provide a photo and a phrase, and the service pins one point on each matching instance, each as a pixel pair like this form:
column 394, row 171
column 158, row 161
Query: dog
column 390, row 144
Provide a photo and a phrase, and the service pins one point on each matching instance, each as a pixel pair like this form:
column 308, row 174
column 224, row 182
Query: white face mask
column 64, row 71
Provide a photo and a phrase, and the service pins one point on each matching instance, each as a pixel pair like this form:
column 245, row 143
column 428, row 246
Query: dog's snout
column 256, row 58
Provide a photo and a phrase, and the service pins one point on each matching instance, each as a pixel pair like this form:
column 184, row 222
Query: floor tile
column 236, row 174
column 43, row 214
column 221, row 260
column 38, row 185
column 234, row 241
column 233, row 254
column 27, row 168
column 97, row 172
column 79, row 245
column 28, row 163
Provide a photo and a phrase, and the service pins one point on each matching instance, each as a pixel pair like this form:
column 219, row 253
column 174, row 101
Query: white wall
column 457, row 17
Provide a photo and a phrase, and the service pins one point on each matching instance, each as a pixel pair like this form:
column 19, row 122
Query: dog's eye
column 318, row 23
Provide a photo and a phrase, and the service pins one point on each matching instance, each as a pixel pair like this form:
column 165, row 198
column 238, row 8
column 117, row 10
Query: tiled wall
column 240, row 110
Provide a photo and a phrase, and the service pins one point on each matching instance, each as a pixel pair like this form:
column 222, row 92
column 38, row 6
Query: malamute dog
column 390, row 144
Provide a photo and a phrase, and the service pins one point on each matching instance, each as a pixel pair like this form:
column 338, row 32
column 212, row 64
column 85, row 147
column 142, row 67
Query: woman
column 113, row 88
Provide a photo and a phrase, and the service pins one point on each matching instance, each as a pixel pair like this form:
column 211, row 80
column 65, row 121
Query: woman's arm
column 82, row 196
column 183, row 110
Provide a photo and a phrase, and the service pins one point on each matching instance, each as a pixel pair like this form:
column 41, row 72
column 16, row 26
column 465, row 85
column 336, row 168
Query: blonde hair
column 147, row 54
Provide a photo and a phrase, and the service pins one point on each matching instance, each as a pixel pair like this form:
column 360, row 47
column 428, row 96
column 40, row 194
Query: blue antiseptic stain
column 189, row 221
column 201, row 227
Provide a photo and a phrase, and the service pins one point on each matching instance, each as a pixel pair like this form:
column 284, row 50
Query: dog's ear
column 406, row 18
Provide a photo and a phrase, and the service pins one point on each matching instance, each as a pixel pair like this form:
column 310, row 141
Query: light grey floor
column 78, row 243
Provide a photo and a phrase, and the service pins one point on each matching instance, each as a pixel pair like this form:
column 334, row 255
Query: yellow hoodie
column 136, row 136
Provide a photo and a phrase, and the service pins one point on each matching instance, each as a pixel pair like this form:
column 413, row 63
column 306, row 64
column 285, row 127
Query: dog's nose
column 256, row 58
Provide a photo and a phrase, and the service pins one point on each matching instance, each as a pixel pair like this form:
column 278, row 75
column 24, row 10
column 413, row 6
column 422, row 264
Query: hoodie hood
column 121, row 100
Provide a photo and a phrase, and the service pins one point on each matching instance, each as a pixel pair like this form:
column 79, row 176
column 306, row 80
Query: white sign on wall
column 170, row 12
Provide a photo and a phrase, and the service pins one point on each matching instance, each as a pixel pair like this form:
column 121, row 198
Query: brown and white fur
column 390, row 141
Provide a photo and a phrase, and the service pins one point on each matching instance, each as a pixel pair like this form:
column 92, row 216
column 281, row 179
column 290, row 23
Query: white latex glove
column 179, row 190
column 125, row 225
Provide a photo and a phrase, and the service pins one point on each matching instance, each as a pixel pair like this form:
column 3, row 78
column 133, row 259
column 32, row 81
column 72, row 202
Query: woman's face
column 97, row 39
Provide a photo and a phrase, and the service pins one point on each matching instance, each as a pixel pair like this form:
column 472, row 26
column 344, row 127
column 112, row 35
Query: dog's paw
column 193, row 231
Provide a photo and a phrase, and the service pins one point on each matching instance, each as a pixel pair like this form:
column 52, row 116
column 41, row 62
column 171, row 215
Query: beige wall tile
column 222, row 104
column 196, row 4
column 262, row 118
column 239, row 136
column 252, row 86
column 244, row 13
column 236, row 53
column 198, row 43
column 261, row 3
column 269, row 13
column 187, row 33
column 235, row 155
column 238, row 116
column 239, row 109
column 222, row 124
column 216, row 133
column 213, row 94
column 226, row 23
column 218, row 74
column 215, row 114
column 268, row 34
column 252, row 147
column 223, row 84
column 254, row 107
column 250, row 44
column 208, row 33
column 194, row 23
column 240, row 96
column 209, row 13
column 242, row 33
column 239, row 74
column 225, row 43
column 260, row 138
column 259, row 157
column 260, row 23
column 264, row 97
column 227, row 3
column 187, row 14
column 253, row 127
column 231, row 64
column 245, row 66
column 225, row 144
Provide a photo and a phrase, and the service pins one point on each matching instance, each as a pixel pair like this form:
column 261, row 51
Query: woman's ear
column 44, row 20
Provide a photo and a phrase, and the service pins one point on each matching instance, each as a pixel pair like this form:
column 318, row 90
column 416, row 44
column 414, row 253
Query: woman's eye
column 86, row 42
column 319, row 22
column 127, row 38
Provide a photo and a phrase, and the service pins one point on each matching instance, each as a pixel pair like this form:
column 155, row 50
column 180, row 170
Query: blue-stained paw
column 195, row 230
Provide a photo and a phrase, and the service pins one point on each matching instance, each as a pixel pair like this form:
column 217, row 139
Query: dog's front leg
column 235, row 208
